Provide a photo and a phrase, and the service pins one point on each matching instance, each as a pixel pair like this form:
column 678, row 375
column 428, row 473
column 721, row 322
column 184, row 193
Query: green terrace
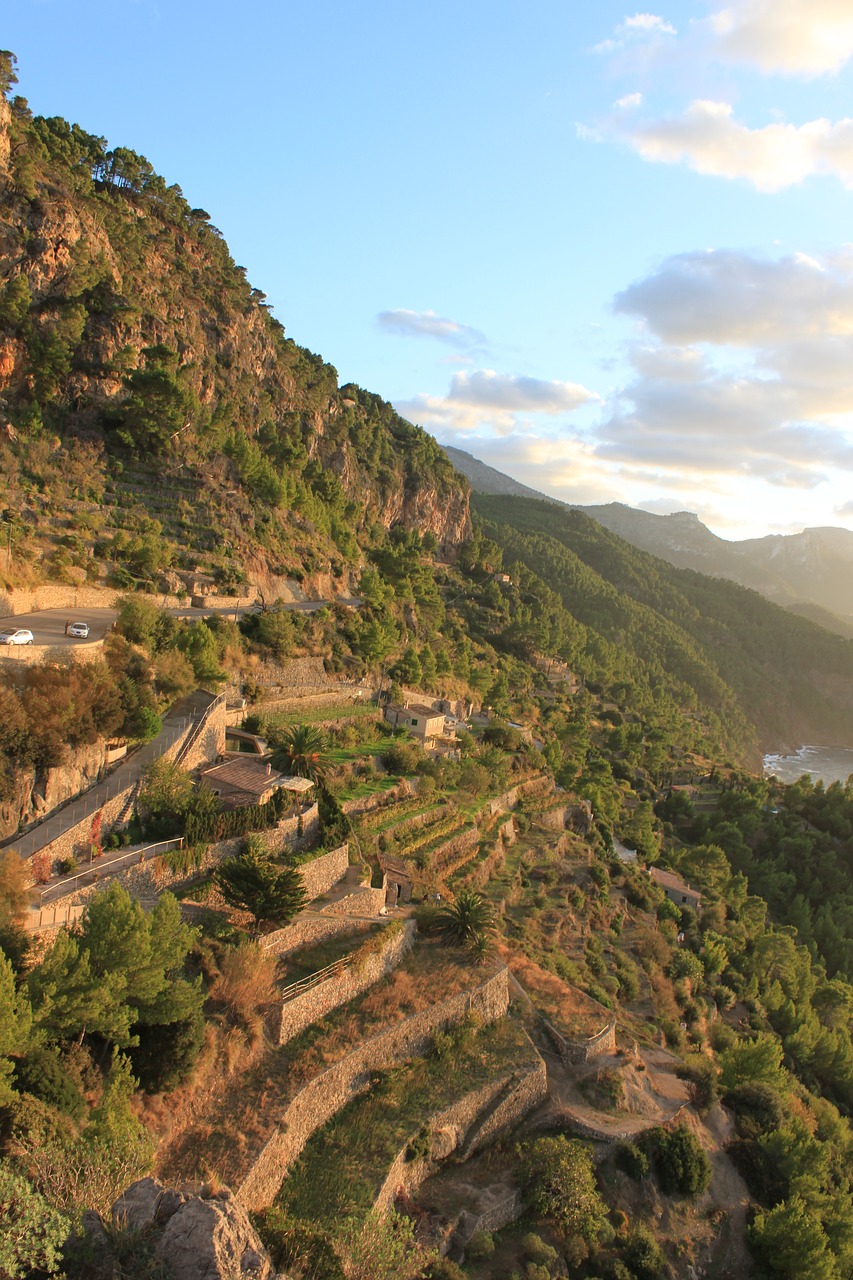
column 344, row 1166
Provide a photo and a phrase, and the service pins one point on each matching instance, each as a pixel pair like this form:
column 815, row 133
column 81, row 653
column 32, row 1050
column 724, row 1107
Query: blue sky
column 605, row 249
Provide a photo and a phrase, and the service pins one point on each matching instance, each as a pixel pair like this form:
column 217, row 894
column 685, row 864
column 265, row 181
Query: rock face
column 34, row 794
column 197, row 1238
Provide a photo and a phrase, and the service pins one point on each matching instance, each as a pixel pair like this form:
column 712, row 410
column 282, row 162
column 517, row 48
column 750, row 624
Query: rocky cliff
column 134, row 351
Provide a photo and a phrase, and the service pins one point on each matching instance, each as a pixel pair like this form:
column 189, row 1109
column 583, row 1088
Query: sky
column 606, row 250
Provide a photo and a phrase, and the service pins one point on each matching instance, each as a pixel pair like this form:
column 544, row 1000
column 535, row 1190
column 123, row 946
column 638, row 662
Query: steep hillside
column 139, row 368
column 790, row 677
column 812, row 567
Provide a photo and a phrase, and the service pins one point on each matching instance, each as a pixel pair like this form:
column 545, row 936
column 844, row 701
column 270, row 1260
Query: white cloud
column 750, row 377
column 787, row 37
column 645, row 23
column 640, row 27
column 428, row 324
column 728, row 297
column 499, row 400
column 708, row 139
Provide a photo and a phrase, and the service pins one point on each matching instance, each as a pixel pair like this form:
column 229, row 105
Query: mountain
column 814, row 567
column 689, row 631
column 154, row 415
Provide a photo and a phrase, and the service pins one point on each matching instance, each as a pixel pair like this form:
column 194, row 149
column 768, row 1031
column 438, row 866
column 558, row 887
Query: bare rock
column 147, row 1203
column 213, row 1240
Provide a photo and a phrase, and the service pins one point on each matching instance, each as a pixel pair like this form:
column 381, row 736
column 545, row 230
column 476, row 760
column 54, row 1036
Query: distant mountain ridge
column 802, row 571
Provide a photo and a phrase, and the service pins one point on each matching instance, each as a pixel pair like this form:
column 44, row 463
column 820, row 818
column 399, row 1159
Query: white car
column 80, row 630
column 19, row 636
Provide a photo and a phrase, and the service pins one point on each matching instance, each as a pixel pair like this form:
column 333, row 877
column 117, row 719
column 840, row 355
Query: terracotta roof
column 244, row 773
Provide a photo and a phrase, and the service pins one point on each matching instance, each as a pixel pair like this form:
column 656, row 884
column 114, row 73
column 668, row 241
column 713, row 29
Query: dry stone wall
column 577, row 1051
column 313, row 1004
column 465, row 1126
column 361, row 902
column 309, row 929
column 509, row 799
column 327, row 1093
column 321, row 873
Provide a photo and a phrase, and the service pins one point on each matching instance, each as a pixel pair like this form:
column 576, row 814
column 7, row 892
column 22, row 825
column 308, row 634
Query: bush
column 682, row 1166
column 632, row 1160
column 537, row 1250
column 166, row 1054
column 67, row 866
column 644, row 1255
column 559, row 1177
column 480, row 1246
column 43, row 1074
column 701, row 1076
column 758, row 1109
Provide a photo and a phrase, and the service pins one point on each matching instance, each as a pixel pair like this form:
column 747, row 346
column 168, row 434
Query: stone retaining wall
column 466, row 1125
column 361, row 902
column 316, row 1002
column 32, row 655
column 327, row 1093
column 308, row 930
column 321, row 873
column 379, row 800
column 509, row 799
column 577, row 1051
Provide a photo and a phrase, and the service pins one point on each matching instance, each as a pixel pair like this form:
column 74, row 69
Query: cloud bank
column 708, row 139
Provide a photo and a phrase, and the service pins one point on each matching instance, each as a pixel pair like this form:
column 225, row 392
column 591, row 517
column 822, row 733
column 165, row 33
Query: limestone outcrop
column 197, row 1237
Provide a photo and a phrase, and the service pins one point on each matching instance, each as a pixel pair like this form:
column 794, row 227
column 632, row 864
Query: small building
column 676, row 889
column 247, row 780
column 398, row 879
column 421, row 721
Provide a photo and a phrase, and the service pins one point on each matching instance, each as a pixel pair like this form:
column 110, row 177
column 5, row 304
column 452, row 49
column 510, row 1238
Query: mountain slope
column 792, row 679
column 134, row 352
column 813, row 567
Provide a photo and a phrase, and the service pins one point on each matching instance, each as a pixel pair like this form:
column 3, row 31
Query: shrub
column 682, row 1166
column 43, row 1074
column 701, row 1076
column 480, row 1246
column 758, row 1109
column 32, row 1232
column 166, row 1054
column 537, row 1250
column 644, row 1255
column 559, row 1177
column 67, row 866
column 246, row 982
column 632, row 1160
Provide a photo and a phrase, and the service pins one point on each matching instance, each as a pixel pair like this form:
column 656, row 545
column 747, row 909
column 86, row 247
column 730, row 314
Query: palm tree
column 303, row 752
column 467, row 921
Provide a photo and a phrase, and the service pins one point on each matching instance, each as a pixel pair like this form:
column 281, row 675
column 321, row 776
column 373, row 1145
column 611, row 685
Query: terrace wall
column 327, row 1093
column 365, row 970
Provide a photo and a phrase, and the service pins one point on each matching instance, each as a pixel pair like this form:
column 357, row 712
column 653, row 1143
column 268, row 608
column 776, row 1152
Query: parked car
column 79, row 630
column 19, row 636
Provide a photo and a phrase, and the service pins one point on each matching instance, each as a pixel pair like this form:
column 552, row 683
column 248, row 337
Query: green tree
column 559, row 1174
column 791, row 1243
column 15, row 1022
column 252, row 882
column 752, row 1062
column 682, row 1166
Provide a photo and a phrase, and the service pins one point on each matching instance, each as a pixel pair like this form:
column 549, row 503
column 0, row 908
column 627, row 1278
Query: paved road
column 48, row 625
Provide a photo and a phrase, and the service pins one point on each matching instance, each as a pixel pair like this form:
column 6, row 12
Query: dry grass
column 224, row 1125
column 246, row 985
column 567, row 1007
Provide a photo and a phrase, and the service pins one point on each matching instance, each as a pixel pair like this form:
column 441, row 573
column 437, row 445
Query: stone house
column 248, row 780
column 421, row 721
column 676, row 889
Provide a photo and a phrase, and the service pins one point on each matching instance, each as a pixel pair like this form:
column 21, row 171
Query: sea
column 830, row 764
